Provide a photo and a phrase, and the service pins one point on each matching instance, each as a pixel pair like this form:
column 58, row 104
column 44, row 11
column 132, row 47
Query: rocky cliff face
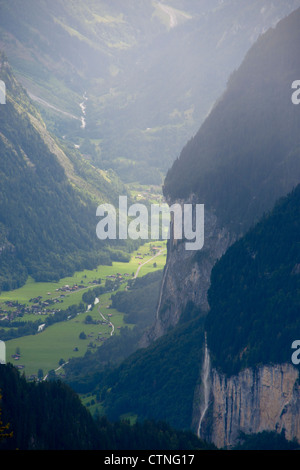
column 187, row 274
column 256, row 400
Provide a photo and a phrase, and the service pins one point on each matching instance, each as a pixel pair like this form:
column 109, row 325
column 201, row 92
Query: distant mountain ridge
column 251, row 137
column 149, row 85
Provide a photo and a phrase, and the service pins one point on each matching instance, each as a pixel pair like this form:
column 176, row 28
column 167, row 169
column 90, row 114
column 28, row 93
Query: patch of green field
column 47, row 290
column 132, row 418
column 59, row 341
column 44, row 350
column 149, row 193
column 92, row 404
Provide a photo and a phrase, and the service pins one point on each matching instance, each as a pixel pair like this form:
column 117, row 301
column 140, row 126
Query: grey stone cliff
column 266, row 398
column 187, row 275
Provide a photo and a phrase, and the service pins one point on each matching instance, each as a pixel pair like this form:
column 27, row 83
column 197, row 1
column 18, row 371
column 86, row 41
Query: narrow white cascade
column 206, row 385
column 161, row 290
column 83, row 109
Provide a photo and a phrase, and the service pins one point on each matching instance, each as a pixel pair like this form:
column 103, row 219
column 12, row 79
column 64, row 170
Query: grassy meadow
column 61, row 341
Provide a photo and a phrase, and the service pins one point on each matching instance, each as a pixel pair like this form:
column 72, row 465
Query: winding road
column 143, row 264
column 109, row 322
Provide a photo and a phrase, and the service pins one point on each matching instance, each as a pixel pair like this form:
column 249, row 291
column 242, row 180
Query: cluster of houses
column 73, row 288
column 37, row 301
column 5, row 314
column 153, row 251
column 19, row 310
column 118, row 276
column 38, row 306
column 150, row 193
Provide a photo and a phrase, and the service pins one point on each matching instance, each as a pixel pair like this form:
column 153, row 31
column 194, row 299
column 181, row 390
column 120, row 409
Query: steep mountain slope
column 251, row 326
column 47, row 209
column 244, row 157
column 255, row 293
column 254, row 382
column 224, row 150
column 150, row 72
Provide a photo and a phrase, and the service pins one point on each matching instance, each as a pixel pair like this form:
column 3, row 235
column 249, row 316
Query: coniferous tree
column 5, row 433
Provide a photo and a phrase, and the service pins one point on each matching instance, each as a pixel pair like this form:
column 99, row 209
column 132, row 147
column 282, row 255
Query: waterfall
column 161, row 290
column 83, row 109
column 205, row 384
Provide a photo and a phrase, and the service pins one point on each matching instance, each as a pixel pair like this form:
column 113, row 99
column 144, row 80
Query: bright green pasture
column 45, row 349
column 47, row 290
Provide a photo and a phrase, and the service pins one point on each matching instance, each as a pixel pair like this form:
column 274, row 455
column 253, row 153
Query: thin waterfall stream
column 161, row 290
column 206, row 385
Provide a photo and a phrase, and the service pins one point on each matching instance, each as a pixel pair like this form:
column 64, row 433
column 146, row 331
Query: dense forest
column 50, row 416
column 265, row 440
column 139, row 302
column 157, row 382
column 246, row 154
column 255, row 293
